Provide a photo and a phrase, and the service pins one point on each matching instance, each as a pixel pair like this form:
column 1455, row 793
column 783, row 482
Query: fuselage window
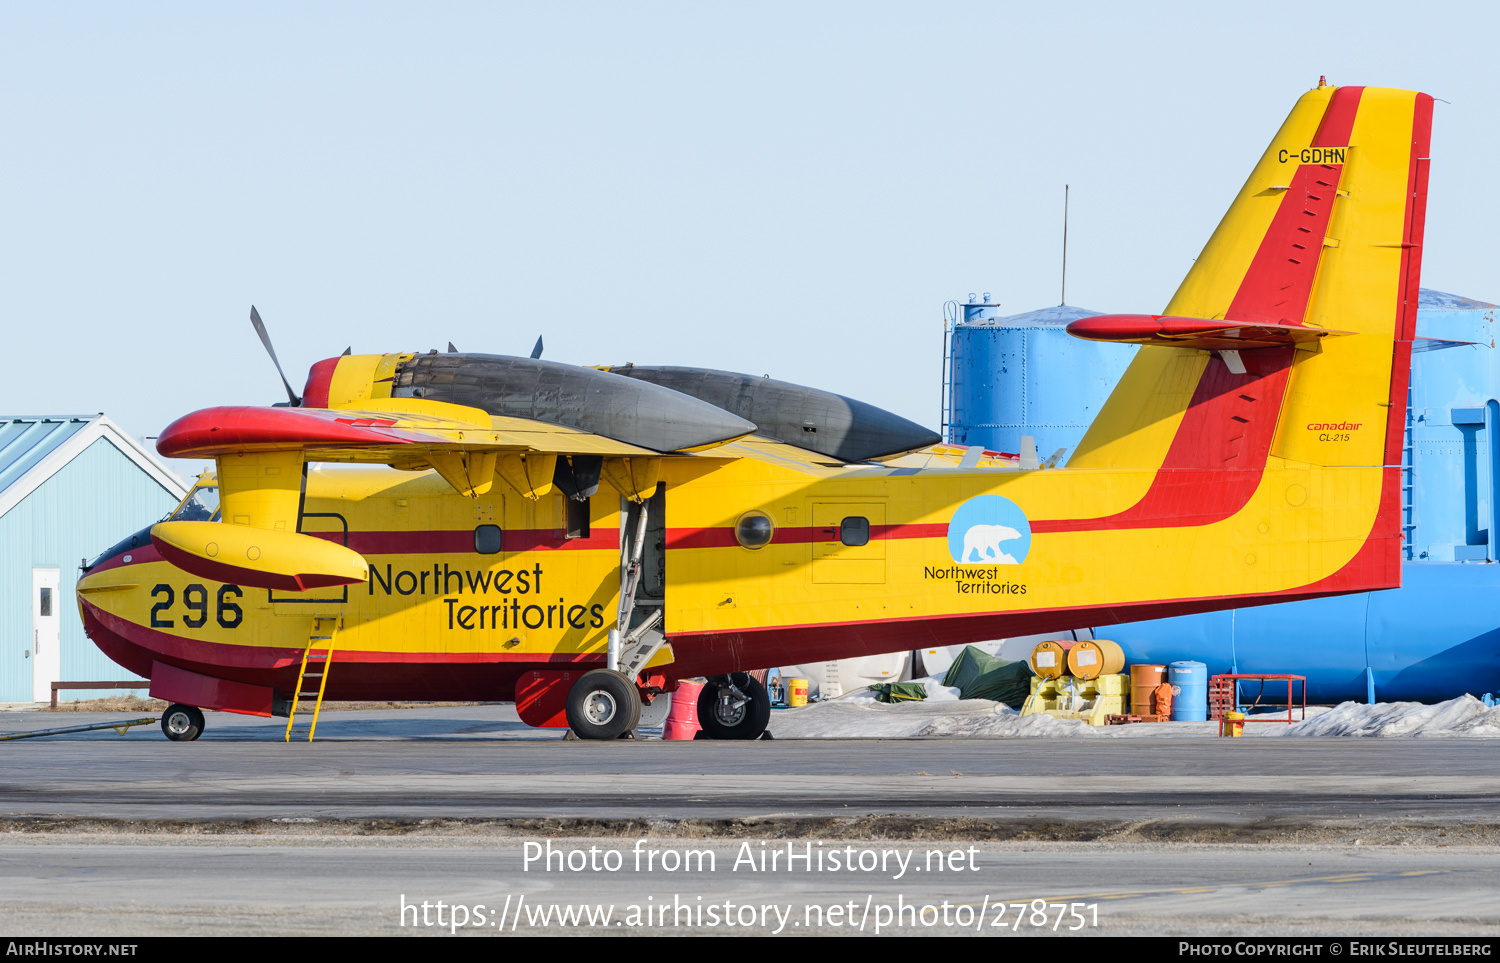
column 855, row 530
column 754, row 530
column 487, row 539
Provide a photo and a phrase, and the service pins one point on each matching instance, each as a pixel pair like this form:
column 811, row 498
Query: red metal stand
column 1222, row 695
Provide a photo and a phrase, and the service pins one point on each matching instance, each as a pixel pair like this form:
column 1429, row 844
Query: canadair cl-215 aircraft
column 579, row 540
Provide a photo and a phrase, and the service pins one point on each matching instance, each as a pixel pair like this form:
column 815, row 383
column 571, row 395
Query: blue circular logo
column 989, row 530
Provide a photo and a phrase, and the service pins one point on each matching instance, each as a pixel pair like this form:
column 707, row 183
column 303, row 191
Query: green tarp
column 980, row 676
column 899, row 691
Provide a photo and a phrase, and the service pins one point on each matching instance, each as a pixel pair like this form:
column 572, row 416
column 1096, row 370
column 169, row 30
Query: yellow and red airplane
column 579, row 540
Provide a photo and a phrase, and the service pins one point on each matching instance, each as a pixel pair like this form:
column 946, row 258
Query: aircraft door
column 651, row 591
column 46, row 632
column 848, row 543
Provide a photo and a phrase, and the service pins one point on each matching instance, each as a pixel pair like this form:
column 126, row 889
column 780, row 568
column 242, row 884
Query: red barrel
column 682, row 719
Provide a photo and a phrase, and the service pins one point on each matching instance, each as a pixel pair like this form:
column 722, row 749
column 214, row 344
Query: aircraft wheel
column 603, row 705
column 182, row 723
column 745, row 721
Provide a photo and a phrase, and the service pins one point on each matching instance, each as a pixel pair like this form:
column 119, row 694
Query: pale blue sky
column 789, row 189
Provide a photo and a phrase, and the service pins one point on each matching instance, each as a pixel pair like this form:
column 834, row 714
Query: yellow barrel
column 796, row 692
column 1049, row 660
column 1143, row 680
column 1089, row 660
column 1233, row 724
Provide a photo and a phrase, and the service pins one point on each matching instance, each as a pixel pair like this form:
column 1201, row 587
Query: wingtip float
column 579, row 540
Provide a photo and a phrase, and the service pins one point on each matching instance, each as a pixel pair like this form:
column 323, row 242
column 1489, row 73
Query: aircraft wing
column 467, row 446
column 379, row 435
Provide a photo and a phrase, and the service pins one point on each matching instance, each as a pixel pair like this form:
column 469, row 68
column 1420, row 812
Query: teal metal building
column 69, row 487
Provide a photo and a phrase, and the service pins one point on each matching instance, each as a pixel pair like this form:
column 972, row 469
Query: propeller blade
column 537, row 351
column 265, row 339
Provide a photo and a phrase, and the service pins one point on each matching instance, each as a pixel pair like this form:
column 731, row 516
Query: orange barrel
column 1143, row 679
column 682, row 719
column 796, row 692
column 1090, row 660
column 1050, row 659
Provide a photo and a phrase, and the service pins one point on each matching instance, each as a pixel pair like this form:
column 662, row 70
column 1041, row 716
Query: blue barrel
column 1189, row 682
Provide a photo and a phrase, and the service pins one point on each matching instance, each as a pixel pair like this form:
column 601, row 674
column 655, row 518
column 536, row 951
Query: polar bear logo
column 984, row 540
column 989, row 530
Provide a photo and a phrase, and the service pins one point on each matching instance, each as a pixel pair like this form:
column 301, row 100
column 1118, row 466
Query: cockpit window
column 201, row 505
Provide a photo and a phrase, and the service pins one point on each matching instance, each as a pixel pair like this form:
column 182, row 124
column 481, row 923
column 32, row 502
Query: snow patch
column 1465, row 716
column 859, row 716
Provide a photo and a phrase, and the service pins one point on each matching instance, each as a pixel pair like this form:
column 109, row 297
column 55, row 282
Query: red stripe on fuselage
column 461, row 542
column 678, row 538
column 1216, row 458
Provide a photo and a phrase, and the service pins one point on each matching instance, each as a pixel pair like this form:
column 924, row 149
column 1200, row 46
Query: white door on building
column 46, row 626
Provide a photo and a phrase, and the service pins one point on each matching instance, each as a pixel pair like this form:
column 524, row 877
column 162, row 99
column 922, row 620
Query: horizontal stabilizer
column 1195, row 332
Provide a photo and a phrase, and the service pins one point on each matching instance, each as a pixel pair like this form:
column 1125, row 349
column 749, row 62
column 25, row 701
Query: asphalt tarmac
column 481, row 762
column 241, row 833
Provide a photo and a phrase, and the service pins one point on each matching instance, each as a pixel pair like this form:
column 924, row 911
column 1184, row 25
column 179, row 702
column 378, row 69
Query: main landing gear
column 182, row 723
column 734, row 707
column 603, row 705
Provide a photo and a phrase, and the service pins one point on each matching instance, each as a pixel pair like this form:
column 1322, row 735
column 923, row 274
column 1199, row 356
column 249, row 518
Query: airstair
column 312, row 678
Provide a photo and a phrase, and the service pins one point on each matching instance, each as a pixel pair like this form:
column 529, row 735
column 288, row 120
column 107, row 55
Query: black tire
column 182, row 723
column 603, row 705
column 747, row 722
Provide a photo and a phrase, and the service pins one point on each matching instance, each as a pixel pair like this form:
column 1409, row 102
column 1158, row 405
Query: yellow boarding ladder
column 317, row 658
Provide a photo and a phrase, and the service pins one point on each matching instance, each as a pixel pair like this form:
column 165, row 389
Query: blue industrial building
column 1436, row 636
column 69, row 486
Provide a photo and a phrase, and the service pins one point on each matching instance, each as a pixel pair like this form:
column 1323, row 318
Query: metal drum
column 1049, row 660
column 1144, row 679
column 1190, row 686
column 1091, row 659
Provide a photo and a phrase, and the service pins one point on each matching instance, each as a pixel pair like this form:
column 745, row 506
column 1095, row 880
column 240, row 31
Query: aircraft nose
column 114, row 555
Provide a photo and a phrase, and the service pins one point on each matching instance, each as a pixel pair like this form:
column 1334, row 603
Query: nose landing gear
column 182, row 723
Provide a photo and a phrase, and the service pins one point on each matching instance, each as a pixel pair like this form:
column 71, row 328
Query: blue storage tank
column 1451, row 424
column 1025, row 375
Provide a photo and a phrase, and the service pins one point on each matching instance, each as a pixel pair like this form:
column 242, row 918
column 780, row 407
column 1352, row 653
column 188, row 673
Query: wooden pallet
column 1123, row 720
